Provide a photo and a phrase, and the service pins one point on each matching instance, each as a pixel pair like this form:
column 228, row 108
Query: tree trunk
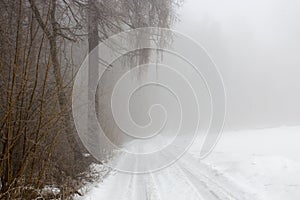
column 62, row 97
column 93, row 71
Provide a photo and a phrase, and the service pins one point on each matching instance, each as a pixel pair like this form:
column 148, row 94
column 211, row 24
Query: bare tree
column 38, row 146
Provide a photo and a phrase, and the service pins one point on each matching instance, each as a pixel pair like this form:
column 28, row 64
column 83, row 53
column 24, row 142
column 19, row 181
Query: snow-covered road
column 187, row 178
column 258, row 164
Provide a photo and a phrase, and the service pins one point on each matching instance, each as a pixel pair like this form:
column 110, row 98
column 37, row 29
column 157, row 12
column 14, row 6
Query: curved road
column 186, row 179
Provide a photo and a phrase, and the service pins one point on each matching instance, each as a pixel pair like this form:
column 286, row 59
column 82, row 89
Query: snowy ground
column 267, row 161
column 256, row 164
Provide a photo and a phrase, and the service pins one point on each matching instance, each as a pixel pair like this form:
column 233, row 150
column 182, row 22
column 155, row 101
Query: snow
column 250, row 164
column 267, row 161
column 50, row 190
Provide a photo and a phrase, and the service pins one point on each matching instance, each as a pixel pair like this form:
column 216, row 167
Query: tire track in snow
column 211, row 192
column 185, row 179
column 215, row 179
column 200, row 186
column 172, row 185
column 208, row 184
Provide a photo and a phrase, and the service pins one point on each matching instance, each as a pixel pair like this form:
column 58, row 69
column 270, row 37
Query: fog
column 255, row 44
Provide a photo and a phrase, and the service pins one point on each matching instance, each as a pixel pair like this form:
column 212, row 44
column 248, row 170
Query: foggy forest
column 149, row 99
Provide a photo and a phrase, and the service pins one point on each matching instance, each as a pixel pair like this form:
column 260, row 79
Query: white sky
column 256, row 45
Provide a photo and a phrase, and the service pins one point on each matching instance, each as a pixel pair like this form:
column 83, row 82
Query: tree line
column 41, row 47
